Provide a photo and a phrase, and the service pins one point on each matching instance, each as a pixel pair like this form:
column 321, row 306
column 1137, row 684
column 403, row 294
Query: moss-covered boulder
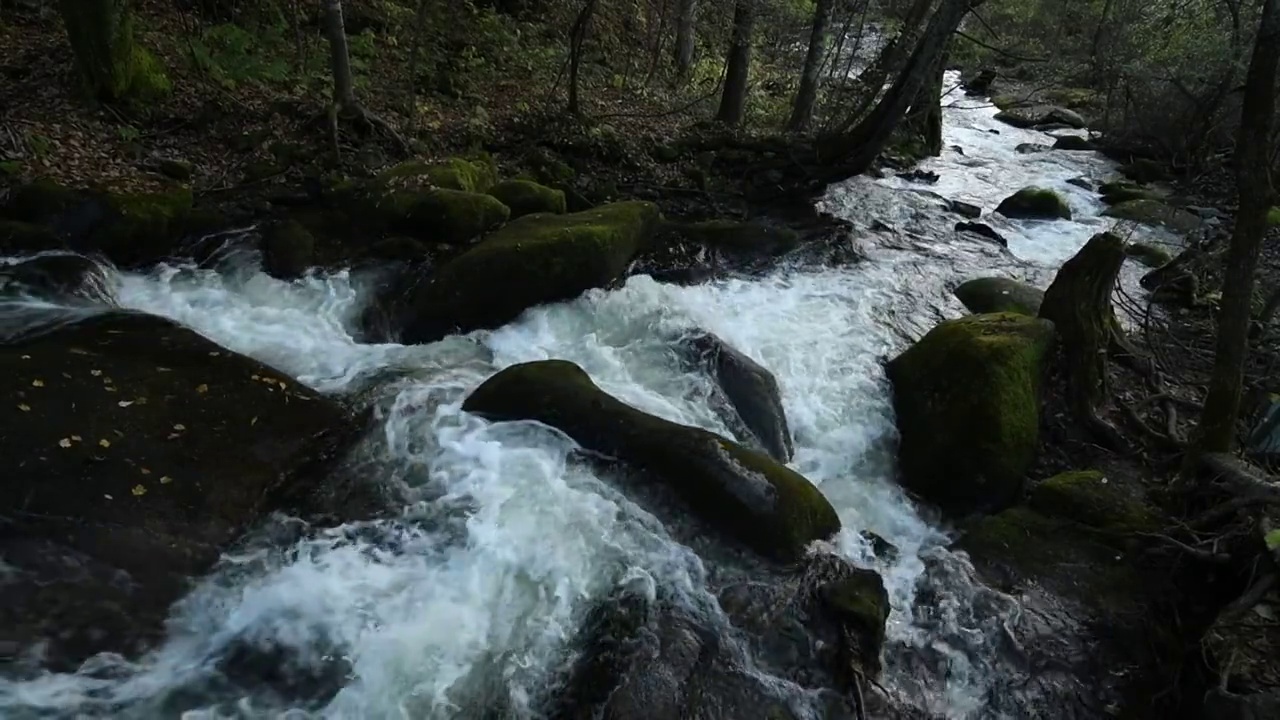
column 288, row 249
column 441, row 215
column 40, row 200
column 967, row 399
column 525, row 197
column 1088, row 497
column 138, row 449
column 754, row 499
column 1035, row 202
column 1153, row 256
column 143, row 228
column 997, row 294
column 1273, row 217
column 468, row 175
column 22, row 237
column 1154, row 212
column 752, row 403
column 1114, row 193
column 534, row 260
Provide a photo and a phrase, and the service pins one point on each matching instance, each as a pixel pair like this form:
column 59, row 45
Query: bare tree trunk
column 871, row 80
column 858, row 148
column 344, row 85
column 802, row 111
column 1222, row 404
column 577, row 37
column 924, row 117
column 419, row 20
column 733, row 103
column 684, row 37
column 111, row 65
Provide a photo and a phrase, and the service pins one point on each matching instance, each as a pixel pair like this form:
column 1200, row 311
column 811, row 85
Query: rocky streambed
column 597, row 463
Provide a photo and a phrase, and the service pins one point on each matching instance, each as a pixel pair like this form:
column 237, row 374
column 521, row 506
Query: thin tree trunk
column 344, row 85
column 872, row 79
column 685, row 37
column 415, row 48
column 1222, row 404
column 733, row 103
column 924, row 117
column 111, row 65
column 659, row 39
column 577, row 37
column 857, row 149
column 802, row 111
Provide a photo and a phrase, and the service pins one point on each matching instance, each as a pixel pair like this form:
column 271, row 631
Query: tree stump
column 1079, row 305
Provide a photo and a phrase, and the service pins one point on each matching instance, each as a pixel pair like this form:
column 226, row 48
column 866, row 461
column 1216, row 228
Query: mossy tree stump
column 1079, row 305
column 111, row 64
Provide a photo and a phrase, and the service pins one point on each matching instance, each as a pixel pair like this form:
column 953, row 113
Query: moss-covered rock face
column 1154, row 212
column 997, row 294
column 1114, row 193
column 754, row 499
column 288, row 249
column 967, row 398
column 525, row 197
column 40, row 200
column 1273, row 217
column 477, row 175
column 21, row 237
column 441, row 215
column 142, row 227
column 862, row 602
column 534, row 260
column 1034, row 202
column 1150, row 255
column 1087, row 497
column 138, row 446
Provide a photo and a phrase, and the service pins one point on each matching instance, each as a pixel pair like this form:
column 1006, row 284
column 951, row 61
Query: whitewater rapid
column 474, row 586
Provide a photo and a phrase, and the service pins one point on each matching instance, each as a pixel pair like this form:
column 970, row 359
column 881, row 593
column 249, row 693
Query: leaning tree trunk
column 1252, row 157
column 857, row 149
column 924, row 117
column 733, row 103
column 1078, row 302
column 111, row 65
column 872, row 80
column 684, row 37
column 807, row 95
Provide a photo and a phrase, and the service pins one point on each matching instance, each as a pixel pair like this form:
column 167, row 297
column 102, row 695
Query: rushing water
column 481, row 580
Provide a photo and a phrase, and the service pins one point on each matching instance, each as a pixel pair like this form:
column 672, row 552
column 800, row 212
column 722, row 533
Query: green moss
column 112, row 65
column 1035, row 202
column 10, row 168
column 1073, row 98
column 1120, row 192
column 536, row 259
column 997, row 294
column 143, row 226
column 761, row 502
column 41, row 200
column 967, row 399
column 1154, row 212
column 22, row 237
column 475, row 176
column 1087, row 497
column 1150, row 255
column 1273, row 217
column 1007, row 101
column 525, row 197
column 441, row 215
column 861, row 600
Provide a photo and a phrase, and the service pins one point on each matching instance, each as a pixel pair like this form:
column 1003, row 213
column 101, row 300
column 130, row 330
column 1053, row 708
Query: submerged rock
column 1154, row 212
column 1150, row 255
column 965, row 209
column 984, row 230
column 533, row 260
column 762, row 503
column 751, row 390
column 526, row 197
column 58, row 277
column 967, row 399
column 1035, row 202
column 1081, row 182
column 1031, row 148
column 138, row 451
column 998, row 294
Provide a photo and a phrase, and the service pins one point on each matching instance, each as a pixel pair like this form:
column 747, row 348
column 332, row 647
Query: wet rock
column 17, row 238
column 920, row 176
column 697, row 251
column 441, row 215
column 1150, row 255
column 997, row 294
column 754, row 401
column 964, row 209
column 984, row 230
column 533, row 260
column 754, row 499
column 1031, row 148
column 1018, row 117
column 525, row 197
column 1051, row 127
column 956, row 149
column 1082, row 182
column 1088, row 497
column 1114, row 193
column 1066, row 117
column 140, row 451
column 1142, row 170
column 1030, row 116
column 1073, row 142
column 967, row 400
column 288, row 249
column 979, row 84
column 139, row 229
column 1034, row 202
column 1154, row 212
column 58, row 277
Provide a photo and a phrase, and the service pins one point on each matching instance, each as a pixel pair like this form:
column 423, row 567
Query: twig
column 1203, row 555
column 994, row 49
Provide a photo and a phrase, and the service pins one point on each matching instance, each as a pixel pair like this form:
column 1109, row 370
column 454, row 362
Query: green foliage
column 233, row 56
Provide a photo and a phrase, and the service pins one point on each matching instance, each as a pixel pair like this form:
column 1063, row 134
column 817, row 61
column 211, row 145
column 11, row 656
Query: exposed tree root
column 359, row 113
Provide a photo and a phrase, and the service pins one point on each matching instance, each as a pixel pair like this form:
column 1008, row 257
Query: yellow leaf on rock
column 37, row 383
column 105, row 443
column 202, row 388
column 24, row 407
column 64, row 442
column 166, row 480
column 139, row 490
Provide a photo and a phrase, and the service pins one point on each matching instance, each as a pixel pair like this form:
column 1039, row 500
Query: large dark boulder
column 750, row 391
column 997, row 294
column 758, row 501
column 58, row 277
column 135, row 451
column 967, row 400
column 1037, row 203
column 534, row 260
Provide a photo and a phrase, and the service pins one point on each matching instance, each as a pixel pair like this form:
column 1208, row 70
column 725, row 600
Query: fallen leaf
column 76, row 438
column 179, row 427
column 202, row 388
column 95, row 373
column 24, row 407
column 165, row 480
column 125, row 403
column 104, row 443
column 254, row 421
column 139, row 490
column 145, row 471
column 37, row 383
column 26, row 357
column 108, row 497
column 65, row 442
